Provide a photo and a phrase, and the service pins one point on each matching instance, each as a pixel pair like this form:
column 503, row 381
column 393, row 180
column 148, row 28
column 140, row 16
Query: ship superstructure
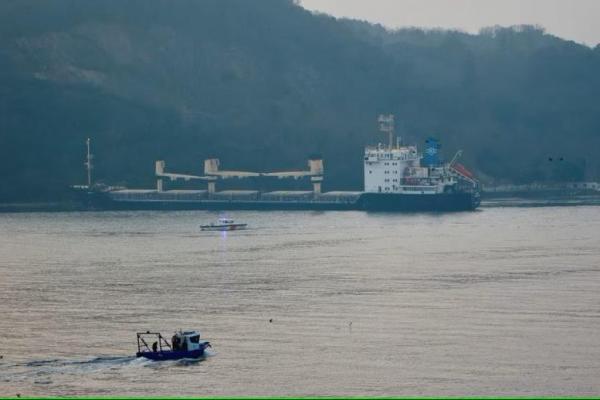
column 399, row 169
column 398, row 177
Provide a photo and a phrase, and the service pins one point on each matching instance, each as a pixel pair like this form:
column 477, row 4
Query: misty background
column 264, row 84
column 575, row 20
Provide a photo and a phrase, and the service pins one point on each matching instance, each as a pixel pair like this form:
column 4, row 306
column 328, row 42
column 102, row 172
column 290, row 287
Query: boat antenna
column 88, row 164
column 386, row 125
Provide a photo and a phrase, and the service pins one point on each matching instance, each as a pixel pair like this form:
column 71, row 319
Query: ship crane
column 315, row 168
column 211, row 168
column 212, row 173
column 315, row 172
column 160, row 174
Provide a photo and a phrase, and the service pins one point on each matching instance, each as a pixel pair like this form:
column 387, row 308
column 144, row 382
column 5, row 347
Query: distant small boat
column 223, row 224
column 184, row 344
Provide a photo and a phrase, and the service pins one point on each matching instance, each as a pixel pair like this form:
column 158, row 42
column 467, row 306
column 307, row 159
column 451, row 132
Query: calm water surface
column 503, row 301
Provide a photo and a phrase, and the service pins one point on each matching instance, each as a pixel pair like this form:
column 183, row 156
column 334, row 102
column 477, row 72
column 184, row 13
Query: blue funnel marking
column 431, row 156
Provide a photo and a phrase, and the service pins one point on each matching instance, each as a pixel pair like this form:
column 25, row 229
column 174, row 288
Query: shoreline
column 489, row 200
column 57, row 206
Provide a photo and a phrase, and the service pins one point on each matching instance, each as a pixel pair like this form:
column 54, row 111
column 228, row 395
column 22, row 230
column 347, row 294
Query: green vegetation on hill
column 264, row 84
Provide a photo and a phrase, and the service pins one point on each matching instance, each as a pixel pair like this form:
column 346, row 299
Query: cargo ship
column 396, row 178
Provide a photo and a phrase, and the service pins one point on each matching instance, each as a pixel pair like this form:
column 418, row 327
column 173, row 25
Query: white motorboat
column 223, row 224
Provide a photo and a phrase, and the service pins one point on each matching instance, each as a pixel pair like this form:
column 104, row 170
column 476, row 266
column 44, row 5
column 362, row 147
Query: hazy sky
column 577, row 20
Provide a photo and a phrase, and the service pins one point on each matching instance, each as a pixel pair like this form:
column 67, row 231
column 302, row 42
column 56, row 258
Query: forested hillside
column 264, row 84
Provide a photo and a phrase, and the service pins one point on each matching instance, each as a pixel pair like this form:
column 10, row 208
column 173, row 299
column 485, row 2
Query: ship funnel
column 431, row 156
column 211, row 166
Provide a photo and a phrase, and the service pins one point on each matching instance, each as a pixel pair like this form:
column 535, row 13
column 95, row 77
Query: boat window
column 195, row 339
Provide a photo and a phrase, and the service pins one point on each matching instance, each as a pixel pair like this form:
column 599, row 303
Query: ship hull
column 446, row 202
column 419, row 202
column 173, row 354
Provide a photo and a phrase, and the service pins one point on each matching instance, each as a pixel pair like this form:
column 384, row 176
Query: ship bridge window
column 195, row 338
column 370, row 171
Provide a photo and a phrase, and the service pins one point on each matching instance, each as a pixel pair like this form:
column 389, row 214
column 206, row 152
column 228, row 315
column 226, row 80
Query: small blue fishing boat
column 184, row 344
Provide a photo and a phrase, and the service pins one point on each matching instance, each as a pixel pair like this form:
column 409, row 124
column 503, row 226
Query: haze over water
column 502, row 301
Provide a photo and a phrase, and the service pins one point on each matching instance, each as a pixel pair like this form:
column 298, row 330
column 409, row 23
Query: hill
column 262, row 85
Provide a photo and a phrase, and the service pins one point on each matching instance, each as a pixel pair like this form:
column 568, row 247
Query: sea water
column 500, row 301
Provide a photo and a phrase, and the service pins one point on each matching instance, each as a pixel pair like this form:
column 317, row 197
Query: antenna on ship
column 386, row 125
column 88, row 164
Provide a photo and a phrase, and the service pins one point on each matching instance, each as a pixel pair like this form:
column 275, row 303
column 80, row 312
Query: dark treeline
column 264, row 84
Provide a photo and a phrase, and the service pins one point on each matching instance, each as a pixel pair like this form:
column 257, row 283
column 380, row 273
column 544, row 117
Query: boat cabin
column 186, row 341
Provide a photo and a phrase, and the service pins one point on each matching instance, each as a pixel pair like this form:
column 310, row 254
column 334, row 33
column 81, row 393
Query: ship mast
column 386, row 125
column 88, row 164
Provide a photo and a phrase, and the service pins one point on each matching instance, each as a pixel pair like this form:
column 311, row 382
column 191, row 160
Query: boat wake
column 45, row 372
column 38, row 369
column 96, row 361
